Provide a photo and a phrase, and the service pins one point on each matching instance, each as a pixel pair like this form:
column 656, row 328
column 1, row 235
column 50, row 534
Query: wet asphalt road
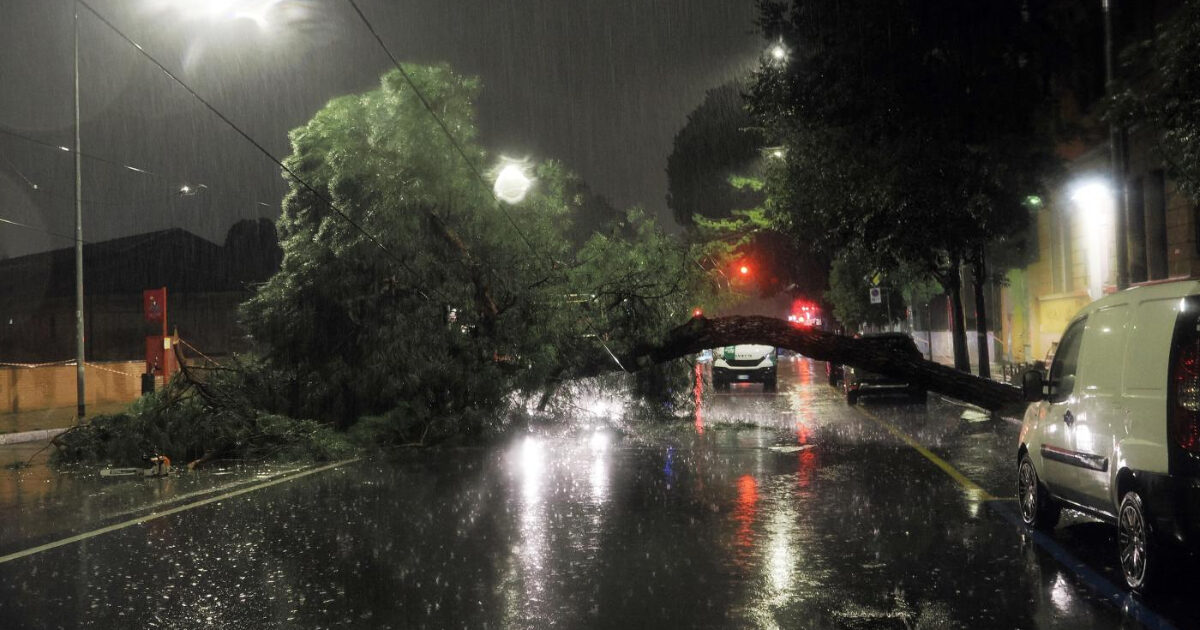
column 788, row 510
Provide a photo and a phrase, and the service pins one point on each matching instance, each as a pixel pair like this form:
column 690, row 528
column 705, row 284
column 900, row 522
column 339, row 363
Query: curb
column 28, row 436
column 965, row 405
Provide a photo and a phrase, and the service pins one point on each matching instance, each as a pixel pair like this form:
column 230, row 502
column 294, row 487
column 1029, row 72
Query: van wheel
column 770, row 386
column 1134, row 546
column 1038, row 509
column 851, row 398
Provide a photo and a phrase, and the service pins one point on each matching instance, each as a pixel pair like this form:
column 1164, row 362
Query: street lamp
column 778, row 53
column 81, row 407
column 512, row 184
column 257, row 11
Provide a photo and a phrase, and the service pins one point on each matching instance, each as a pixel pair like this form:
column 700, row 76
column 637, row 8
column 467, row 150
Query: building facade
column 1075, row 227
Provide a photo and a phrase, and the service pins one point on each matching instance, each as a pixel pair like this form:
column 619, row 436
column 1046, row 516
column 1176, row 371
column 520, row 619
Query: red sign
column 154, row 304
column 160, row 359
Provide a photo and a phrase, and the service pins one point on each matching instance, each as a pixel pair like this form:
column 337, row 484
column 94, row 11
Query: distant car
column 857, row 382
column 835, row 372
column 746, row 363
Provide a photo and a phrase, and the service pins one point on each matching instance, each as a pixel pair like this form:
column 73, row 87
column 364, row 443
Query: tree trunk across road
column 701, row 333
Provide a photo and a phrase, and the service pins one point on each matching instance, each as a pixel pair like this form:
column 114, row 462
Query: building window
column 1155, row 209
column 1060, row 250
column 1196, row 227
column 1137, row 230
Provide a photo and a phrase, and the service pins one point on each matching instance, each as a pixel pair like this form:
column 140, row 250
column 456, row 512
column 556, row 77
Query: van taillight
column 1185, row 388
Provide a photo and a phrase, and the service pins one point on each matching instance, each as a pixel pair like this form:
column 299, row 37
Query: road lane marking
column 175, row 510
column 1123, row 600
column 968, row 485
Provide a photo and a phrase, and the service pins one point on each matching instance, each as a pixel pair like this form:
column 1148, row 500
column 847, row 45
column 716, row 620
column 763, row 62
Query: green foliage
column 850, row 280
column 911, row 129
column 184, row 425
column 410, row 307
column 472, row 300
column 718, row 141
column 1167, row 98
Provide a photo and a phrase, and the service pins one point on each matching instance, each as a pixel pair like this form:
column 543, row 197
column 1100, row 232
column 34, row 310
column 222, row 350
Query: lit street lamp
column 778, row 53
column 512, row 184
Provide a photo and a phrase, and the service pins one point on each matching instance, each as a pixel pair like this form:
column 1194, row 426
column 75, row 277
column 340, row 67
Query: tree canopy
column 406, row 288
column 1166, row 93
column 719, row 141
column 911, row 129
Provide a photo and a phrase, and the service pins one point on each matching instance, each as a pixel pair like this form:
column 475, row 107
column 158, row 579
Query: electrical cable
column 69, row 151
column 470, row 164
column 446, row 130
column 38, row 229
column 263, row 150
column 173, row 179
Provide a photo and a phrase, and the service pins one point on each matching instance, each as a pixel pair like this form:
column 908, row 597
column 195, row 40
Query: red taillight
column 1185, row 396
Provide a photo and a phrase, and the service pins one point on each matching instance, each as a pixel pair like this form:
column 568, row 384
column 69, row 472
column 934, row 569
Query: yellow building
column 1075, row 260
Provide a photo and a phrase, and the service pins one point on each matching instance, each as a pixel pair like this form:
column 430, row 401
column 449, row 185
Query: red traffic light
column 745, row 270
column 697, row 313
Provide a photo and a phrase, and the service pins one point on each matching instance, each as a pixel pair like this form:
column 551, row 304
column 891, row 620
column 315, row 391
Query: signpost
column 159, row 358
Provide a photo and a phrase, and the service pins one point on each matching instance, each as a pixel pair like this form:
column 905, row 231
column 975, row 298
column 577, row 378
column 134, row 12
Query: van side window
column 1066, row 363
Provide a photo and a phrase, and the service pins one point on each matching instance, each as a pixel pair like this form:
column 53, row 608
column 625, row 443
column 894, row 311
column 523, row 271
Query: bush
column 179, row 422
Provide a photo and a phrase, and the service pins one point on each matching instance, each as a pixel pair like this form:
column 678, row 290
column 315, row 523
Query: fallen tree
column 702, row 333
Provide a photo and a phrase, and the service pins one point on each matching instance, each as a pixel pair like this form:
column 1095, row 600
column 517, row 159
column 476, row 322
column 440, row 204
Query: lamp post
column 1118, row 151
column 80, row 389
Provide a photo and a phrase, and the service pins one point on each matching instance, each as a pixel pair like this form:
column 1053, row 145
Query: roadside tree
column 911, row 130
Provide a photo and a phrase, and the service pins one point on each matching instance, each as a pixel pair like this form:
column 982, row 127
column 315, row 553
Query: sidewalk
column 42, row 424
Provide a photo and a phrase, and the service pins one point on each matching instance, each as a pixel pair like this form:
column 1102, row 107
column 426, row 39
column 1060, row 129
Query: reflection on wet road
column 787, row 510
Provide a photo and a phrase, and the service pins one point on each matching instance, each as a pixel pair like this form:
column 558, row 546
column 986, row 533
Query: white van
column 745, row 363
column 1114, row 430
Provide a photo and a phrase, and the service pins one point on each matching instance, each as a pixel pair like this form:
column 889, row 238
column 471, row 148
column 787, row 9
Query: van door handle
column 1069, row 418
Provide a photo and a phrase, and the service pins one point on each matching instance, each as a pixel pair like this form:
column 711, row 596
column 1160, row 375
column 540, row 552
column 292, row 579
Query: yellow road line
column 175, row 510
column 967, row 484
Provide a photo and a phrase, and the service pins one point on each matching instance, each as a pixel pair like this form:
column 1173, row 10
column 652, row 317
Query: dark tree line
column 914, row 130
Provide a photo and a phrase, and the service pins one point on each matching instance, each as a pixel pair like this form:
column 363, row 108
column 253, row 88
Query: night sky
column 602, row 85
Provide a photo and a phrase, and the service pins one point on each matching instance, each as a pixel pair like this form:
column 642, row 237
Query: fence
column 30, row 387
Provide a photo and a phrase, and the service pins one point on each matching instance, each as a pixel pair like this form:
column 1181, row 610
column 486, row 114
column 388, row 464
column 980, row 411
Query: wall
column 33, row 388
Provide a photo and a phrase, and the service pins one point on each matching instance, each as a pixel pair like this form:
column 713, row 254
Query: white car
column 1114, row 431
column 746, row 363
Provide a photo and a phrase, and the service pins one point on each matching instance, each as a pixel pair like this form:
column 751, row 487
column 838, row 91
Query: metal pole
column 1117, row 144
column 81, row 408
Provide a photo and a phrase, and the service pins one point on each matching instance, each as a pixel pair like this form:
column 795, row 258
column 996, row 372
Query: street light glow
column 256, row 11
column 512, row 184
column 1097, row 207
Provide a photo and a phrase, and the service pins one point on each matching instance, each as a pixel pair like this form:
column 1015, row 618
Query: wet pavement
column 788, row 510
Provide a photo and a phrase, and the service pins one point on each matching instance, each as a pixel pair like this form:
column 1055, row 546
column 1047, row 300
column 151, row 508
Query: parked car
column 835, row 372
column 857, row 382
column 1114, row 430
column 746, row 363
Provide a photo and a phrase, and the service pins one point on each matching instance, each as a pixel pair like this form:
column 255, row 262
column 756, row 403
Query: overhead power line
column 257, row 145
column 65, row 149
column 446, row 130
column 173, row 179
column 38, row 229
